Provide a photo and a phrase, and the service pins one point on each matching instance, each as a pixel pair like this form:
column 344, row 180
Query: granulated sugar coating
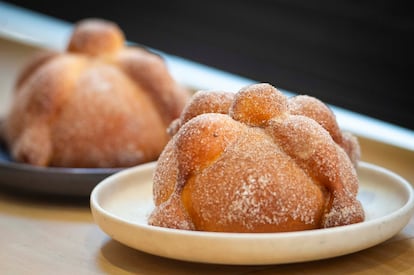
column 100, row 103
column 270, row 164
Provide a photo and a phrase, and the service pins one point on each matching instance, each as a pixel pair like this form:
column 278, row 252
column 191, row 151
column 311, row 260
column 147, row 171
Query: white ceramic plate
column 122, row 202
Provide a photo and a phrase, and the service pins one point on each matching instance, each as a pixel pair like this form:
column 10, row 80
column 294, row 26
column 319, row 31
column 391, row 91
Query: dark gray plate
column 50, row 180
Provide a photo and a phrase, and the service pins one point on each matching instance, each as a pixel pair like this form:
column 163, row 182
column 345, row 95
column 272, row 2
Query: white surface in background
column 40, row 30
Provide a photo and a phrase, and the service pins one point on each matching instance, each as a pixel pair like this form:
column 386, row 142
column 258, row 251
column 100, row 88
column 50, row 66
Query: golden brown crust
column 96, row 37
column 150, row 71
column 255, row 105
column 207, row 102
column 37, row 60
column 39, row 100
column 203, row 102
column 262, row 167
column 316, row 110
column 101, row 104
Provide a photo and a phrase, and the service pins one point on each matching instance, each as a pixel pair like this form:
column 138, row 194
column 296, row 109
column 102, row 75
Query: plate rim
column 10, row 164
column 23, row 178
column 97, row 211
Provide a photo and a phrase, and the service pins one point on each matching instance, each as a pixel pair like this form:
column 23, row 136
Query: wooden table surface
column 57, row 235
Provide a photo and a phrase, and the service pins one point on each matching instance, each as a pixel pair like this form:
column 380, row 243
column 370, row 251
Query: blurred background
column 353, row 54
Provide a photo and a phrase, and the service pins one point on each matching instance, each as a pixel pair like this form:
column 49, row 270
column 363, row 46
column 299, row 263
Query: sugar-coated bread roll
column 256, row 161
column 98, row 104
